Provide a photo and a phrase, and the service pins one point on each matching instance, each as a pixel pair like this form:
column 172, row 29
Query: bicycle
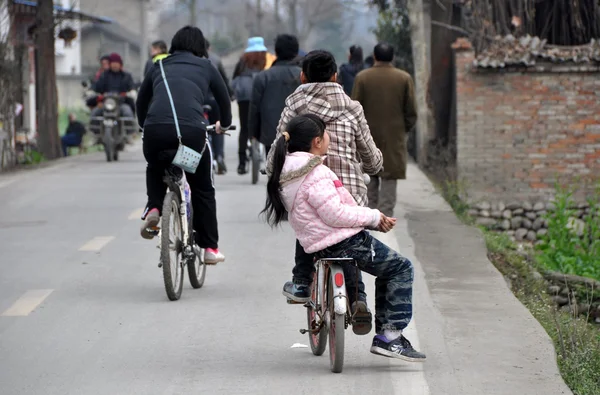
column 328, row 311
column 176, row 237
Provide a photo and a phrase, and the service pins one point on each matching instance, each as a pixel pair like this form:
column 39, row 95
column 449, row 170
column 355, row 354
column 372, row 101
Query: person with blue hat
column 256, row 44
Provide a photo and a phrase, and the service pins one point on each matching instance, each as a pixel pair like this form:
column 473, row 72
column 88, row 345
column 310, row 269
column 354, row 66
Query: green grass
column 566, row 250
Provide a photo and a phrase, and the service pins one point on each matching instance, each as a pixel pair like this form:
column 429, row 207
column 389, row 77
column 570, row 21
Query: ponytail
column 301, row 132
column 274, row 210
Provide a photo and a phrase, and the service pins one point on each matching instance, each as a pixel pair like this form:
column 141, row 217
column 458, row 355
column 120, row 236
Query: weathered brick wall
column 519, row 131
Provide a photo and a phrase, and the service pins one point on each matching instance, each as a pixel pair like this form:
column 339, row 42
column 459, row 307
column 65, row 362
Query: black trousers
column 217, row 140
column 244, row 107
column 305, row 267
column 160, row 145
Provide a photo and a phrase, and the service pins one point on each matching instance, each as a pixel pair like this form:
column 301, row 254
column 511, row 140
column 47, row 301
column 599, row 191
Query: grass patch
column 572, row 245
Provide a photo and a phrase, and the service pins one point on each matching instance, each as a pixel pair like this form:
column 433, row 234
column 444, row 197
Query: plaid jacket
column 351, row 150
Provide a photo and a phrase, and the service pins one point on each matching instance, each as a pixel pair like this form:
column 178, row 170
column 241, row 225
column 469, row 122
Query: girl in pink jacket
column 328, row 222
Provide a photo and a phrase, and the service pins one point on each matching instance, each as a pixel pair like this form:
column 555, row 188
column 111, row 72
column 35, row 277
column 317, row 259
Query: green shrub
column 572, row 246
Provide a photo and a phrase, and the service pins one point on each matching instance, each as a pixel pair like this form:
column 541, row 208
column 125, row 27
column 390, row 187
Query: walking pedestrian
column 388, row 99
column 348, row 71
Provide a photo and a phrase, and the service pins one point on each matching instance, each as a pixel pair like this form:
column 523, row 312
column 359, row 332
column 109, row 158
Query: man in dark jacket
column 270, row 89
column 74, row 134
column 115, row 80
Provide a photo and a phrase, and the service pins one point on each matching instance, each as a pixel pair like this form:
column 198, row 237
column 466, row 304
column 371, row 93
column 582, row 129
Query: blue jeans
column 394, row 277
column 69, row 140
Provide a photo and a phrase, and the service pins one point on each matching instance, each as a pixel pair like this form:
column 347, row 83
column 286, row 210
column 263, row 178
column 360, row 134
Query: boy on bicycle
column 352, row 151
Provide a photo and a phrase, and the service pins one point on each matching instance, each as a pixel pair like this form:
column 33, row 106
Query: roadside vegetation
column 568, row 247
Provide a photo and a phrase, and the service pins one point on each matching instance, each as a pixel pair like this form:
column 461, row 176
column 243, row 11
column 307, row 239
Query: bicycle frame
column 332, row 268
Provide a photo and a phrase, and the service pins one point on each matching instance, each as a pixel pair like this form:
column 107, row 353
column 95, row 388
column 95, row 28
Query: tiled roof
column 527, row 50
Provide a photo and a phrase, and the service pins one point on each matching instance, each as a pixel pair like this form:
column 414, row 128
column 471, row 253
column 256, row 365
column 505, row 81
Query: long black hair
column 189, row 39
column 302, row 130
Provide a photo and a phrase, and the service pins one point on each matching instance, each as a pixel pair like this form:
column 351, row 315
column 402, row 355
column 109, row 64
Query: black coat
column 270, row 89
column 347, row 74
column 110, row 81
column 191, row 79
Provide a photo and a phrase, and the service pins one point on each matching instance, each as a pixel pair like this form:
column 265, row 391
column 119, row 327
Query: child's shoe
column 399, row 348
column 299, row 293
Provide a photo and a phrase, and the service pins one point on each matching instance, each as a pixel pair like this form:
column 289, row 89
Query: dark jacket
column 347, row 74
column 387, row 95
column 110, row 81
column 77, row 129
column 270, row 89
column 148, row 66
column 190, row 79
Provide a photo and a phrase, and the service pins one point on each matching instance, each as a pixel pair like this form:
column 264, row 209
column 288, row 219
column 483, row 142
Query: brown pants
column 382, row 195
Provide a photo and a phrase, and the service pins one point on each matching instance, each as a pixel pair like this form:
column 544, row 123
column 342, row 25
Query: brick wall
column 518, row 131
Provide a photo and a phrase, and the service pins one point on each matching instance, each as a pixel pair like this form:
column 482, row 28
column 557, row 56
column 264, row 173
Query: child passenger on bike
column 351, row 152
column 329, row 223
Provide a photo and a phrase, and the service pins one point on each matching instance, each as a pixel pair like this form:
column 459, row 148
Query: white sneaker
column 212, row 256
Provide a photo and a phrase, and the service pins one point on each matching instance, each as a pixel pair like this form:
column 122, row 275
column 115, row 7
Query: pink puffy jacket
column 321, row 211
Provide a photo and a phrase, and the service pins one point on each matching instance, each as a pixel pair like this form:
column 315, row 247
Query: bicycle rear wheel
column 171, row 246
column 318, row 341
column 197, row 272
column 337, row 330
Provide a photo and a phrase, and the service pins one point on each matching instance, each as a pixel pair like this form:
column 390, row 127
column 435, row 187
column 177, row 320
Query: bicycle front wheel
column 337, row 330
column 171, row 246
column 318, row 341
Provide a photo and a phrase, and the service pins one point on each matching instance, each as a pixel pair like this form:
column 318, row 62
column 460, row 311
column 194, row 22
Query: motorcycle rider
column 115, row 80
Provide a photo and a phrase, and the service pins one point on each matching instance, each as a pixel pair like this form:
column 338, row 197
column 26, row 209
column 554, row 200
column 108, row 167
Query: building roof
column 526, row 51
column 28, row 7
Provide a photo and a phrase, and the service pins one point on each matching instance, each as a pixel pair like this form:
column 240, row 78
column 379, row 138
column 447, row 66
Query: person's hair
column 286, row 47
column 356, row 55
column 189, row 39
column 383, row 52
column 369, row 60
column 319, row 66
column 161, row 45
column 105, row 57
column 254, row 60
column 302, row 130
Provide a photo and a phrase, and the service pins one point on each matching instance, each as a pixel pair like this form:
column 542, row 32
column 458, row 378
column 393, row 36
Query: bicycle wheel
column 255, row 160
column 197, row 272
column 318, row 341
column 171, row 247
column 337, row 329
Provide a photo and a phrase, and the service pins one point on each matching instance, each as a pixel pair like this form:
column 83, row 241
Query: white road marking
column 27, row 303
column 96, row 244
column 136, row 214
column 412, row 382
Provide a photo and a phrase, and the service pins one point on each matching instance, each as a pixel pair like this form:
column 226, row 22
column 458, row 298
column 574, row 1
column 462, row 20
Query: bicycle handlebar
column 212, row 128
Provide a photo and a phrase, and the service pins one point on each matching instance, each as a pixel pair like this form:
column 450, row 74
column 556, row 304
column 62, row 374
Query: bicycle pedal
column 290, row 301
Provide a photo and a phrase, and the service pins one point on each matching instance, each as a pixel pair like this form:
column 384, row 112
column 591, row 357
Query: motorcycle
column 111, row 128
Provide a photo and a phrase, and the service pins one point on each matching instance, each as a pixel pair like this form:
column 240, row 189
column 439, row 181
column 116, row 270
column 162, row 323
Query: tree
column 394, row 27
column 47, row 97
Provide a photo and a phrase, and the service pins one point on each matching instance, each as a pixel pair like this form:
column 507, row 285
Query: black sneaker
column 399, row 348
column 297, row 292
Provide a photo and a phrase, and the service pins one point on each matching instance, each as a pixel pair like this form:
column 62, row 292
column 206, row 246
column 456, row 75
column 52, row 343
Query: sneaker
column 297, row 292
column 150, row 227
column 362, row 319
column 242, row 169
column 399, row 348
column 212, row 256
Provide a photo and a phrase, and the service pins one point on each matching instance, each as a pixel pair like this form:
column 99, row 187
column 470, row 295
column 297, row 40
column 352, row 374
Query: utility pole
column 193, row 12
column 143, row 36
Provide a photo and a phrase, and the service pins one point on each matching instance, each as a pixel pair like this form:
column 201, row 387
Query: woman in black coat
column 190, row 76
column 349, row 70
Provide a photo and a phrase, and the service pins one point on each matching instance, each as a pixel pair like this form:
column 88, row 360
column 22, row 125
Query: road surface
column 83, row 308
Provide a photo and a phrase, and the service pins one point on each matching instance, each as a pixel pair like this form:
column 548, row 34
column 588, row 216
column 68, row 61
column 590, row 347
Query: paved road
column 83, row 309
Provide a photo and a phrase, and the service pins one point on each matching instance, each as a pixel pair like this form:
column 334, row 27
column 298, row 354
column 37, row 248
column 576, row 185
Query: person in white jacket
column 329, row 223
